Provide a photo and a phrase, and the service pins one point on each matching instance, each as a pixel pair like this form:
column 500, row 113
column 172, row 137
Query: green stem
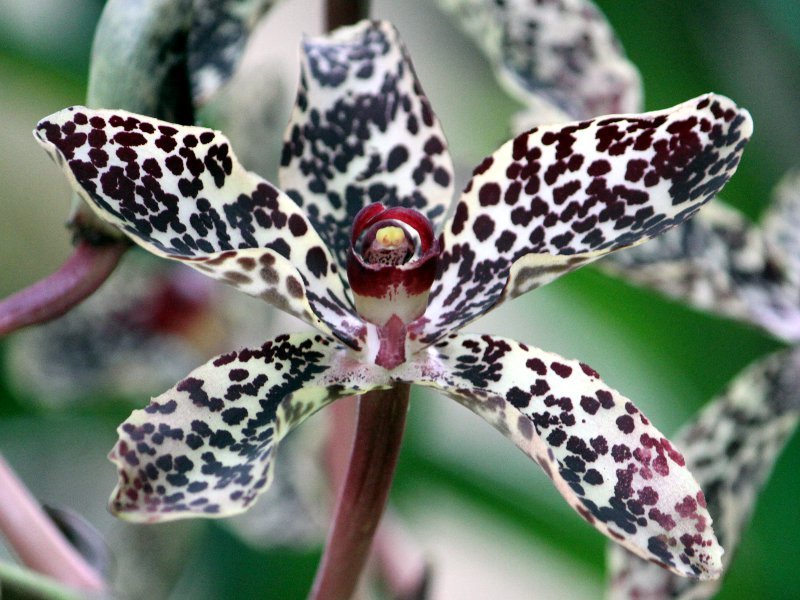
column 362, row 499
column 18, row 582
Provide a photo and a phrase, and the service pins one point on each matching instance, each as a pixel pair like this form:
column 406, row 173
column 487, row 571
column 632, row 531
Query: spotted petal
column 180, row 193
column 603, row 455
column 558, row 197
column 362, row 131
column 563, row 51
column 206, row 447
column 731, row 448
column 720, row 262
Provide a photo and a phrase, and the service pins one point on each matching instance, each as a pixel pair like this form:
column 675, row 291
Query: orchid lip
column 392, row 263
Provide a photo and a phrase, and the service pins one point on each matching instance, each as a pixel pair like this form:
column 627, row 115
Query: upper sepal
column 362, row 131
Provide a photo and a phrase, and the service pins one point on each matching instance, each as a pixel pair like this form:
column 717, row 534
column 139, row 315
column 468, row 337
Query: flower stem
column 345, row 12
column 362, row 499
column 82, row 273
column 36, row 540
column 19, row 582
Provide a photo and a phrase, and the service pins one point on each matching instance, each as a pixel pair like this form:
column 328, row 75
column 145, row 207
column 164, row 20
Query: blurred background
column 488, row 519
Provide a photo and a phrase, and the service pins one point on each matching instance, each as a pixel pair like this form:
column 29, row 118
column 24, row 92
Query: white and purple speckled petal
column 730, row 448
column 180, row 193
column 558, row 197
column 721, row 262
column 206, row 447
column 602, row 454
column 362, row 131
column 561, row 50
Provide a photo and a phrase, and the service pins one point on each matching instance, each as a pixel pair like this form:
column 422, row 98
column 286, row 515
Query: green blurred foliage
column 748, row 50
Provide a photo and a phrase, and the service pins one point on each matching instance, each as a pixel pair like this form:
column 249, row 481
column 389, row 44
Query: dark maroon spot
column 556, row 437
column 605, row 398
column 648, row 495
column 234, row 416
column 599, row 444
column 620, row 453
column 665, row 520
column 397, row 156
column 505, row 241
column 599, row 167
column 97, row 137
column 590, row 405
column 561, row 369
column 294, row 287
column 174, row 164
column 206, row 137
column 460, row 218
column 489, row 194
column 518, row 398
column 317, row 262
column 625, row 424
column 593, row 477
column 130, row 138
column 536, row 365
column 167, row 144
column 483, row 227
column 297, row 225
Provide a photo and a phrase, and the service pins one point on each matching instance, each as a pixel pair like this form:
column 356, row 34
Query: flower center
column 390, row 246
column 391, row 266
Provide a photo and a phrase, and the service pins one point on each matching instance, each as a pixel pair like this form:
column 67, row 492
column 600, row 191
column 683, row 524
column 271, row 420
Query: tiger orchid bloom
column 366, row 180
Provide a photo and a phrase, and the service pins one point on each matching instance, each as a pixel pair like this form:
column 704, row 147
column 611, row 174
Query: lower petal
column 603, row 455
column 206, row 447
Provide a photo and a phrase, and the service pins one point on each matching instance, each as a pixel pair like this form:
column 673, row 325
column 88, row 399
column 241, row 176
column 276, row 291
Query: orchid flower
column 366, row 181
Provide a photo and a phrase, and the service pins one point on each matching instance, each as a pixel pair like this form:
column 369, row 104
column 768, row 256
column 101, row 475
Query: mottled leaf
column 164, row 58
column 603, row 455
column 781, row 222
column 206, row 447
column 560, row 50
column 139, row 59
column 180, row 193
column 719, row 262
column 362, row 131
column 216, row 40
column 730, row 447
column 558, row 197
